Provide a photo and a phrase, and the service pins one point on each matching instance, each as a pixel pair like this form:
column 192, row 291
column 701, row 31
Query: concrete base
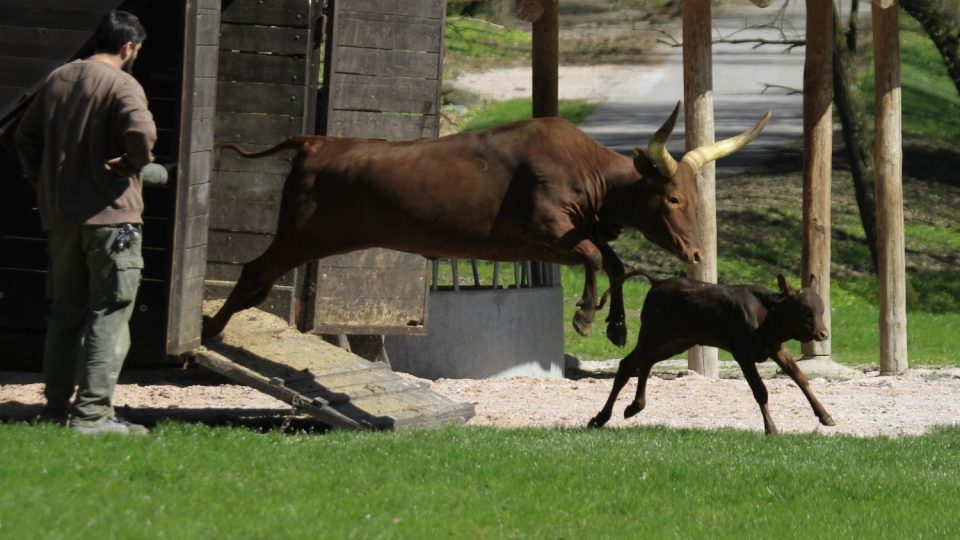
column 825, row 367
column 480, row 334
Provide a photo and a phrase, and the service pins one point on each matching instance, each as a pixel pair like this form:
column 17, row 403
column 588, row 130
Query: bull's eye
column 674, row 200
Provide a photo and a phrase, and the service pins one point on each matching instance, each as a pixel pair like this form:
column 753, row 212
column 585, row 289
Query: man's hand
column 119, row 167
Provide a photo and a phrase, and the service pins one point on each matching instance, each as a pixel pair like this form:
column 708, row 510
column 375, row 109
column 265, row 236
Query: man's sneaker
column 110, row 425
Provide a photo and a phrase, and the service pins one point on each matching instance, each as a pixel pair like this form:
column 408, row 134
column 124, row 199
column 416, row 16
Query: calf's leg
column 639, row 362
column 786, row 363
column 628, row 366
column 749, row 368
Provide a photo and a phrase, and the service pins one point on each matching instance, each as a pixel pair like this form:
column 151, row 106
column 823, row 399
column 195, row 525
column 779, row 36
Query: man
column 82, row 143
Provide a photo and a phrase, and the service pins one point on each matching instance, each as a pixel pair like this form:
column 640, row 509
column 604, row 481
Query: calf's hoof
column 617, row 333
column 582, row 321
column 632, row 409
column 827, row 420
column 598, row 421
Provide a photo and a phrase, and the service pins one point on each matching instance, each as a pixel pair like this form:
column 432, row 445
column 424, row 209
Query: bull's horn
column 698, row 157
column 657, row 147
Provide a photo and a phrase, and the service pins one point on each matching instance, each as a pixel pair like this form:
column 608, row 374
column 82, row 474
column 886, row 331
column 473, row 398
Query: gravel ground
column 866, row 405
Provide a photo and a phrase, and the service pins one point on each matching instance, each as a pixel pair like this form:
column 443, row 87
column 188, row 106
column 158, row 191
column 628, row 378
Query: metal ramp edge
column 322, row 380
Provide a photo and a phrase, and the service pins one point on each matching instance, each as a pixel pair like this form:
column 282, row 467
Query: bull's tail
column 289, row 144
column 638, row 272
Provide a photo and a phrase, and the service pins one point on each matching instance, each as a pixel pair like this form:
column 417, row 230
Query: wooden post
column 698, row 122
column 817, row 152
column 888, row 159
column 546, row 59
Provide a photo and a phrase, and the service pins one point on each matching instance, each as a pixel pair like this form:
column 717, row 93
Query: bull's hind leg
column 256, row 280
column 786, row 363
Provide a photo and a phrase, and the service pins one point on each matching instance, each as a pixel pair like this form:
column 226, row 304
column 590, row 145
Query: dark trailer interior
column 177, row 68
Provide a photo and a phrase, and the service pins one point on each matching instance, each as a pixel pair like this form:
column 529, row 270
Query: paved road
column 638, row 106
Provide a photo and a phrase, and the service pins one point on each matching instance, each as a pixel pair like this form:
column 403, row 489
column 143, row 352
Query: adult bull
column 538, row 189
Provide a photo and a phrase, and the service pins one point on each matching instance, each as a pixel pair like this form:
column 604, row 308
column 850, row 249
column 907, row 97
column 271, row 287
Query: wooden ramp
column 333, row 385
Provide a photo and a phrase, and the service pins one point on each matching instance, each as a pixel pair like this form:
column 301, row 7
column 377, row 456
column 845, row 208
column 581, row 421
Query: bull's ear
column 644, row 165
column 782, row 283
column 812, row 283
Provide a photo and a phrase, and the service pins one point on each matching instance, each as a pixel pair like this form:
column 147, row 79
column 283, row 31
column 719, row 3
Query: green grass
column 189, row 481
column 930, row 102
column 504, row 112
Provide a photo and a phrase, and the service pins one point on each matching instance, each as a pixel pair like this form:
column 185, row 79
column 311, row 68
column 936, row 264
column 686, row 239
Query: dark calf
column 749, row 321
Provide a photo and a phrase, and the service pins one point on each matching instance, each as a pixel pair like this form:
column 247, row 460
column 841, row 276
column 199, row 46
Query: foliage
column 477, row 44
column 505, row 112
column 190, row 481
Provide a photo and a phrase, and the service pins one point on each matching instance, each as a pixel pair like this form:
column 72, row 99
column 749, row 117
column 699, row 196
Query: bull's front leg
column 588, row 252
column 616, row 319
column 786, row 363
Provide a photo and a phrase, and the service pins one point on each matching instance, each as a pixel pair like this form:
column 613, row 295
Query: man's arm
column 29, row 140
column 139, row 131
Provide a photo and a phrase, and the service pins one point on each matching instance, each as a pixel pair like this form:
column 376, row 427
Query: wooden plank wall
column 197, row 115
column 266, row 92
column 384, row 68
column 36, row 36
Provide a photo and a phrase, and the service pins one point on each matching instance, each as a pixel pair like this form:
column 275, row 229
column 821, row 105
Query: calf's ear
column 782, row 283
column 812, row 283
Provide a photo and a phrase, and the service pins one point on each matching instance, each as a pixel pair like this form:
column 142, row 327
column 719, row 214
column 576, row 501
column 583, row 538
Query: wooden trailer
column 177, row 71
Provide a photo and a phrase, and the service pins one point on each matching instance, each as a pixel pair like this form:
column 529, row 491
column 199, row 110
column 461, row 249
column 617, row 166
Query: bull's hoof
column 210, row 329
column 617, row 333
column 827, row 420
column 632, row 409
column 598, row 421
column 582, row 322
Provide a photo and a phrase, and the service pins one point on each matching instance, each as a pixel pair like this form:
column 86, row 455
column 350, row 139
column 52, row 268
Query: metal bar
column 516, row 275
column 476, row 273
column 496, row 275
column 455, row 266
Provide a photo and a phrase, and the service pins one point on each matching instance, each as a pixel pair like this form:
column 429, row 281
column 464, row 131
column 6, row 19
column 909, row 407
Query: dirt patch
column 869, row 405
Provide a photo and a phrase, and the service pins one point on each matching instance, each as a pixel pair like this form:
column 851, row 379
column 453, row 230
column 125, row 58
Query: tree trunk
column 817, row 154
column 849, row 102
column 852, row 29
column 939, row 19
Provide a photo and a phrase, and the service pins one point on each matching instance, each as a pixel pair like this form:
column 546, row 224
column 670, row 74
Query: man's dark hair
column 116, row 28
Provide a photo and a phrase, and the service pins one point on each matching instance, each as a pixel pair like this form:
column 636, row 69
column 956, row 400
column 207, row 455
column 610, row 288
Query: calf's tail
column 606, row 294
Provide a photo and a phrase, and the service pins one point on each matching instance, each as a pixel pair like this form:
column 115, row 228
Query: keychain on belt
column 127, row 236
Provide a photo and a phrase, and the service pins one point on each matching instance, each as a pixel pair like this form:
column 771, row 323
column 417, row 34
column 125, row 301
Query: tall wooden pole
column 817, row 152
column 698, row 122
column 546, row 54
column 888, row 159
